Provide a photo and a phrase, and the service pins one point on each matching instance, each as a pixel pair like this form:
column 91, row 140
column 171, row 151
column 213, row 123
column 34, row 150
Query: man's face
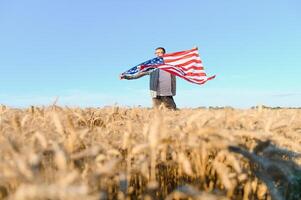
column 159, row 52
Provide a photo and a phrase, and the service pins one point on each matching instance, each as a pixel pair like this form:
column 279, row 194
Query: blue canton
column 145, row 66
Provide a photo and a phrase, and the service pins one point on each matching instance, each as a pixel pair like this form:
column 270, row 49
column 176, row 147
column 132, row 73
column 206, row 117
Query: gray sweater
column 154, row 81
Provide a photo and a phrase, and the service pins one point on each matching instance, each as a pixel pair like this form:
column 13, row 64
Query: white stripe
column 194, row 71
column 164, row 66
column 197, row 77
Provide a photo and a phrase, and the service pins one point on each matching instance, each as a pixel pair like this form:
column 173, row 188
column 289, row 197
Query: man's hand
column 121, row 76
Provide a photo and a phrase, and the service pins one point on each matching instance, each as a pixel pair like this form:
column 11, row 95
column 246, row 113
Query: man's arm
column 139, row 75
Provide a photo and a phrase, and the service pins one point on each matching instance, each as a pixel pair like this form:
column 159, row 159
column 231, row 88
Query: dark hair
column 161, row 49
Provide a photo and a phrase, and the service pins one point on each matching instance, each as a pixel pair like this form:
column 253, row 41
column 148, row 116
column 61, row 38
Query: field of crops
column 60, row 153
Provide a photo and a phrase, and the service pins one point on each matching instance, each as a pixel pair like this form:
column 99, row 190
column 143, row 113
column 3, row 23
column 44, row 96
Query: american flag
column 185, row 64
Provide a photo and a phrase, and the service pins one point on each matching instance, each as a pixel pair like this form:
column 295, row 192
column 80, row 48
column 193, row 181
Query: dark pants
column 167, row 101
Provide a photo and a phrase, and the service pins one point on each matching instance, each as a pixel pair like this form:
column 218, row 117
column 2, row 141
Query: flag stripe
column 192, row 67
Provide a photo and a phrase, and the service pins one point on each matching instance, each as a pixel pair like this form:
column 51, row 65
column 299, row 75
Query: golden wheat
column 136, row 153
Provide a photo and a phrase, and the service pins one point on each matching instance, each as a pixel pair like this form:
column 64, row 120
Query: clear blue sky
column 75, row 50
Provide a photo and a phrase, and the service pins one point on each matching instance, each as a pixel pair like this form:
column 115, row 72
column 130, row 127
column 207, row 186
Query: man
column 162, row 84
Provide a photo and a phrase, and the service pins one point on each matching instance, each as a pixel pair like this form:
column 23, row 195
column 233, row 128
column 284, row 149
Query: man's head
column 160, row 51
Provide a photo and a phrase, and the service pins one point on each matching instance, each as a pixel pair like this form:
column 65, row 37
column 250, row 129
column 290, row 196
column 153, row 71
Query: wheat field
column 61, row 153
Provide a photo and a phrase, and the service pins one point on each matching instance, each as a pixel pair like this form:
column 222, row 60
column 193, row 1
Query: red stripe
column 192, row 67
column 211, row 77
column 179, row 53
column 195, row 74
column 183, row 57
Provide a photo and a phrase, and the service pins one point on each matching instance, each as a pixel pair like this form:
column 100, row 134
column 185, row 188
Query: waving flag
column 185, row 64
